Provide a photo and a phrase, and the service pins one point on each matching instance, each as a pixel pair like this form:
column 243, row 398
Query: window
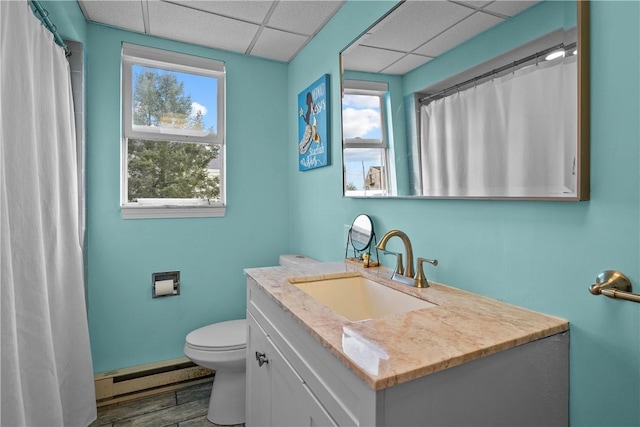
column 365, row 147
column 173, row 141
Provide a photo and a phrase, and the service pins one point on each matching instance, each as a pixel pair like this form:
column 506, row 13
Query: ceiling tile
column 509, row 8
column 476, row 4
column 254, row 11
column 277, row 29
column 303, row 17
column 414, row 22
column 362, row 58
column 473, row 25
column 406, row 64
column 188, row 25
column 126, row 14
column 278, row 45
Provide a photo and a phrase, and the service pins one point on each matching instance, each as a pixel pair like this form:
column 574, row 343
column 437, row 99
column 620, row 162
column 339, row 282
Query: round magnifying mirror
column 361, row 232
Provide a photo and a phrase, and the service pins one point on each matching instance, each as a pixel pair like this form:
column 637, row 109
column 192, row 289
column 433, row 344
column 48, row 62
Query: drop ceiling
column 275, row 30
column 416, row 32
column 419, row 30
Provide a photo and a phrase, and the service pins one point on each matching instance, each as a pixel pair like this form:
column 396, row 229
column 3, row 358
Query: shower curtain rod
column 43, row 15
column 493, row 72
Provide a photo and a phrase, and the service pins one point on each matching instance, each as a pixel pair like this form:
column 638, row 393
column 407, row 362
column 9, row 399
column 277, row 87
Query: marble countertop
column 394, row 349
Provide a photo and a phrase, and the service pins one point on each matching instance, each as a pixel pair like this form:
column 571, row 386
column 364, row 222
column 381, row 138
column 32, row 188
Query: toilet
column 222, row 347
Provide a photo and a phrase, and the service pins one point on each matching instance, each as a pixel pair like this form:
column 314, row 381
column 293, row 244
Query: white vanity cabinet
column 277, row 395
column 301, row 383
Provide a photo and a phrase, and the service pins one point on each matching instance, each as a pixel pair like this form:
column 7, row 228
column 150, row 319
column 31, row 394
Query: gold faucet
column 407, row 249
column 400, row 274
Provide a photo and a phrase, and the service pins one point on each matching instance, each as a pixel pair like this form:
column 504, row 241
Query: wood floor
column 183, row 408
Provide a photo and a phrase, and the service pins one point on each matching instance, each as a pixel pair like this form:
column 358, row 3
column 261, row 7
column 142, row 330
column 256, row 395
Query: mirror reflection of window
column 365, row 145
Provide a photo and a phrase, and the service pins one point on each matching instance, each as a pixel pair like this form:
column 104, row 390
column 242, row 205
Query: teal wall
column 127, row 327
column 68, row 18
column 540, row 255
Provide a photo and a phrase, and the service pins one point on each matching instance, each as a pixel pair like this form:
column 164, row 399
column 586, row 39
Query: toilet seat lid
column 229, row 335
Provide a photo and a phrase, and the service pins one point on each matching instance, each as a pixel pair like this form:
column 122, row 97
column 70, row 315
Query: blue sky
column 361, row 116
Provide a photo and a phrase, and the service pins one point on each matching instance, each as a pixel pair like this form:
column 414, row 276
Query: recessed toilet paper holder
column 165, row 284
column 614, row 284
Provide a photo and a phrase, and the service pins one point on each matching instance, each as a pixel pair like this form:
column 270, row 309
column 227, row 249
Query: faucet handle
column 399, row 265
column 421, row 279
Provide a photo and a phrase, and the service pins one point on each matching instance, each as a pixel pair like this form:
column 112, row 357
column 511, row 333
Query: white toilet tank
column 291, row 260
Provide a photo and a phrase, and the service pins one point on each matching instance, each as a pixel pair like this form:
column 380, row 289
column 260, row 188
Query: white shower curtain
column 512, row 136
column 47, row 376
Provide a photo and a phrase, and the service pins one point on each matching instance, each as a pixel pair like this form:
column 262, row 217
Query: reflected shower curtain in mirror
column 498, row 137
column 47, row 375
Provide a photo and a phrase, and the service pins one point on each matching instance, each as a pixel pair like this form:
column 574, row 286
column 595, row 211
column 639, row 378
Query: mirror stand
column 362, row 256
column 360, row 237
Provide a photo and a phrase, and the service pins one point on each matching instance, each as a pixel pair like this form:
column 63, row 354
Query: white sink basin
column 358, row 298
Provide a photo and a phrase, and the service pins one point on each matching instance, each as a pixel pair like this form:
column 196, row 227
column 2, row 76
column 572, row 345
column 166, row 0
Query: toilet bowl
column 222, row 347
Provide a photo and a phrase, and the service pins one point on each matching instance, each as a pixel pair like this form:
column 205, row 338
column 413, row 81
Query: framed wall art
column 313, row 125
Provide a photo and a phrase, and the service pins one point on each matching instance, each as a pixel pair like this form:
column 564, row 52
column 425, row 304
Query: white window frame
column 379, row 89
column 178, row 62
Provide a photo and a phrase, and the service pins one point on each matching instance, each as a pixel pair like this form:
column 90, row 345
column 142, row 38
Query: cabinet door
column 258, row 393
column 276, row 394
column 292, row 403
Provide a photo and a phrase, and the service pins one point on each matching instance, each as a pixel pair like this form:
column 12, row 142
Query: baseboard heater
column 146, row 380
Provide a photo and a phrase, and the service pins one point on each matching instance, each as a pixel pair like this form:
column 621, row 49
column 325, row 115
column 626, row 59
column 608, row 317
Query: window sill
column 147, row 212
